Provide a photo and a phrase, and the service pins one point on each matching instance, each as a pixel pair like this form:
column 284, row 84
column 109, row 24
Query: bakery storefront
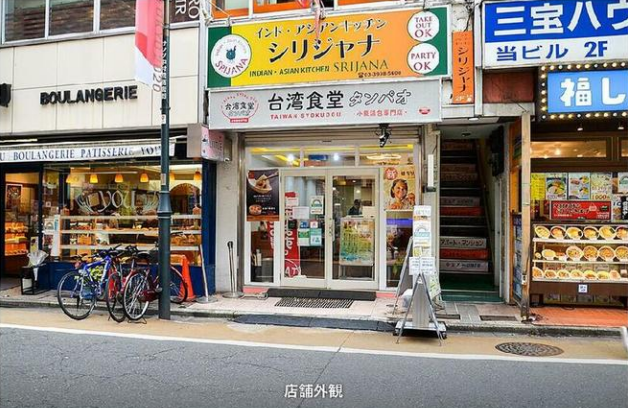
column 579, row 187
column 330, row 170
column 74, row 198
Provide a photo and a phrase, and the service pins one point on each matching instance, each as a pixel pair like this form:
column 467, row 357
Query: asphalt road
column 47, row 369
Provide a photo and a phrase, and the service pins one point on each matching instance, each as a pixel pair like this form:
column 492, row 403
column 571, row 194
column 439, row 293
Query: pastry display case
column 15, row 246
column 579, row 263
column 69, row 235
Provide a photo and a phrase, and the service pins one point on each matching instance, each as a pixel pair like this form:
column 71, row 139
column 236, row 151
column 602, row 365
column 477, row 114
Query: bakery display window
column 117, row 205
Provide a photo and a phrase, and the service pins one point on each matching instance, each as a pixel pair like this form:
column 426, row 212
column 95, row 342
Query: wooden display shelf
column 571, row 288
column 581, row 241
column 625, row 262
column 130, row 231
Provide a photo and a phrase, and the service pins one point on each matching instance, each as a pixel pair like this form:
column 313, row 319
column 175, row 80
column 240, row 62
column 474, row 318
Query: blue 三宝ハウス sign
column 538, row 32
column 587, row 91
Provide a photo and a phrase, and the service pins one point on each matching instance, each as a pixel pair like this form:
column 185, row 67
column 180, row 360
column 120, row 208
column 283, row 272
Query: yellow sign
column 537, row 186
column 395, row 44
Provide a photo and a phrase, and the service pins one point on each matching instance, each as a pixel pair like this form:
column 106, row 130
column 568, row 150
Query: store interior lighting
column 144, row 178
column 198, row 176
column 580, row 128
column 93, row 178
column 621, row 126
column 119, row 178
column 172, row 177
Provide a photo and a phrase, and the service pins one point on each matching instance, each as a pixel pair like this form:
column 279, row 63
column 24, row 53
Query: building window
column 24, row 20
column 270, row 6
column 71, row 16
column 230, row 8
column 182, row 11
column 624, row 148
column 117, row 14
column 117, row 205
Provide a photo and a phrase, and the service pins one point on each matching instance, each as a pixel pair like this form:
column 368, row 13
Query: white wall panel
column 79, row 115
column 184, row 53
column 130, row 113
column 80, row 62
column 27, row 119
column 183, row 102
column 119, row 59
column 6, row 65
column 35, row 66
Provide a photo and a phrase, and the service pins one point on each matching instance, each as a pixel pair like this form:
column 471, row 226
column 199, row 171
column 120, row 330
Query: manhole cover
column 315, row 303
column 529, row 349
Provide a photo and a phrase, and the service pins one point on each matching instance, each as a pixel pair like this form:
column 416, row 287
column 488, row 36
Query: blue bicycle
column 79, row 290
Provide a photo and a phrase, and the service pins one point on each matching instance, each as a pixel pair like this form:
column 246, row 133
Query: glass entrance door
column 329, row 228
column 21, row 219
column 354, row 244
column 303, row 224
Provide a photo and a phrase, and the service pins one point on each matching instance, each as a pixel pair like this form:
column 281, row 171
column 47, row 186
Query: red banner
column 580, row 210
column 149, row 16
column 292, row 255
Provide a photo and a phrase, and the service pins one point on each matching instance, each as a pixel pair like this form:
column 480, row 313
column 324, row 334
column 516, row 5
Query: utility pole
column 164, row 211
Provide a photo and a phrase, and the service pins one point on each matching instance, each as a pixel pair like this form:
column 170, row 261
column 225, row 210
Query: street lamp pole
column 164, row 211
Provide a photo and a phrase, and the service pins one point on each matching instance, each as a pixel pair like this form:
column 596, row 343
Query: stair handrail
column 489, row 239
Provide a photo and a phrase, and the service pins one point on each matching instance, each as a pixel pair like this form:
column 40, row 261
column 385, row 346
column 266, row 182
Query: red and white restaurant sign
column 292, row 255
column 580, row 210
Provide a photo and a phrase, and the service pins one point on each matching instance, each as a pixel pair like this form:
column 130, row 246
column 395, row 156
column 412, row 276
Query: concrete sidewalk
column 458, row 316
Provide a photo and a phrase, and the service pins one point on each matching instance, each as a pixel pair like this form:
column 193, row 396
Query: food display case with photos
column 79, row 234
column 566, row 258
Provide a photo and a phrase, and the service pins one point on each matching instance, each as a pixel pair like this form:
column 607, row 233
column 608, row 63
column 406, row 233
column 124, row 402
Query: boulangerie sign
column 73, row 152
column 343, row 104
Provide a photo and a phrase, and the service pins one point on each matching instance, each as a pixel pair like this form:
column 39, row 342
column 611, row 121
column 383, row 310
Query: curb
column 452, row 326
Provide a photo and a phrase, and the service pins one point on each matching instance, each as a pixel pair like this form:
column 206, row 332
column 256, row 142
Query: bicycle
column 141, row 287
column 115, row 285
column 78, row 290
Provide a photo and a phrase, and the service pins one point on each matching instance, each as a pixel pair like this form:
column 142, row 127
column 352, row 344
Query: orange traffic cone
column 187, row 280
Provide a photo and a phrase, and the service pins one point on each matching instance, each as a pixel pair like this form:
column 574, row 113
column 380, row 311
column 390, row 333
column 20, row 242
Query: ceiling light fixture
column 580, row 128
column 119, row 178
column 198, row 176
column 144, row 178
column 93, row 178
column 621, row 126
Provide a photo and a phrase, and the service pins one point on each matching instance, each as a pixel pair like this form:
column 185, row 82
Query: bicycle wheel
column 113, row 297
column 76, row 295
column 178, row 287
column 134, row 298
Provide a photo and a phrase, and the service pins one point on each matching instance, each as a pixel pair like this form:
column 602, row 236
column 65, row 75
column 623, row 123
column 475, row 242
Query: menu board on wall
column 580, row 210
column 579, row 186
column 262, row 195
column 601, row 186
column 357, row 242
column 556, row 186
